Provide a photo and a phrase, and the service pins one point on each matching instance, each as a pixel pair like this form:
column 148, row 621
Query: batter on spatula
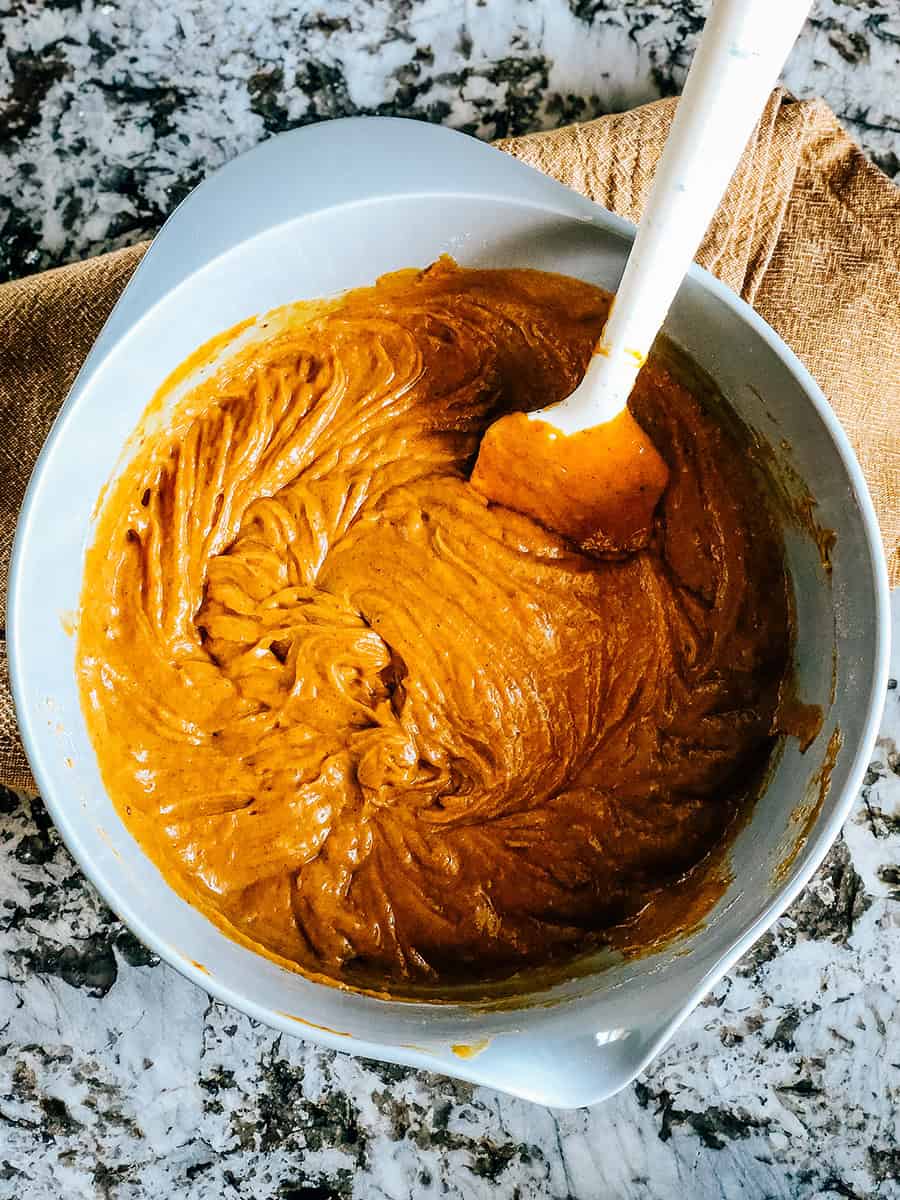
column 383, row 729
column 584, row 465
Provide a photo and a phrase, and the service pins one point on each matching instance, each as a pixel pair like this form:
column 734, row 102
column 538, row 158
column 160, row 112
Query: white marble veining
column 120, row 1079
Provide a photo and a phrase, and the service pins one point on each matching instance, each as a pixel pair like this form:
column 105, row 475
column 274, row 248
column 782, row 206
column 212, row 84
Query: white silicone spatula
column 743, row 47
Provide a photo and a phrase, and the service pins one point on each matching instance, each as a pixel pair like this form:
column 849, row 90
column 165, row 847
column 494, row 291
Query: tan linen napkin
column 808, row 233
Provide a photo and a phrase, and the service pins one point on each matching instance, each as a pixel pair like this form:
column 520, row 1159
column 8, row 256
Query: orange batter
column 599, row 487
column 379, row 727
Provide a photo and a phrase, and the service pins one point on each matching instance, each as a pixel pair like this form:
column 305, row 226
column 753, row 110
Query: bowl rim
column 823, row 832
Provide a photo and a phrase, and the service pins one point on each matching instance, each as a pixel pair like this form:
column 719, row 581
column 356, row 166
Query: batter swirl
column 381, row 728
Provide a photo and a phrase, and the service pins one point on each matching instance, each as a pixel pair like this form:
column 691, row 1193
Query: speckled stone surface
column 120, row 1079
column 111, row 112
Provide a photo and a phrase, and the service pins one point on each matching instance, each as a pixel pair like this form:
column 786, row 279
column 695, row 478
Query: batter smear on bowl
column 380, row 728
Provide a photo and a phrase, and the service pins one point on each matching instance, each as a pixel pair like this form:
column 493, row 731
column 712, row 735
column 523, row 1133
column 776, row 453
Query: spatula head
column 599, row 487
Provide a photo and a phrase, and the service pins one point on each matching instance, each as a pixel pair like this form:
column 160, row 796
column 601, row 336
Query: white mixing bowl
column 330, row 207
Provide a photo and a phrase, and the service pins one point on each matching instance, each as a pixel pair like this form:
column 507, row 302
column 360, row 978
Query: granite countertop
column 119, row 1078
column 111, row 112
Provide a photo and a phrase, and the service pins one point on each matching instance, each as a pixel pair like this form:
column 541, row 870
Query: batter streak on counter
column 376, row 726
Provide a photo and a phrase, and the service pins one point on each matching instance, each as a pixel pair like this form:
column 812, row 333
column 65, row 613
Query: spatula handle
column 743, row 48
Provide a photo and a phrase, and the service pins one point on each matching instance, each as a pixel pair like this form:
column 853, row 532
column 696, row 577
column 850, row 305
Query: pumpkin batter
column 381, row 728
